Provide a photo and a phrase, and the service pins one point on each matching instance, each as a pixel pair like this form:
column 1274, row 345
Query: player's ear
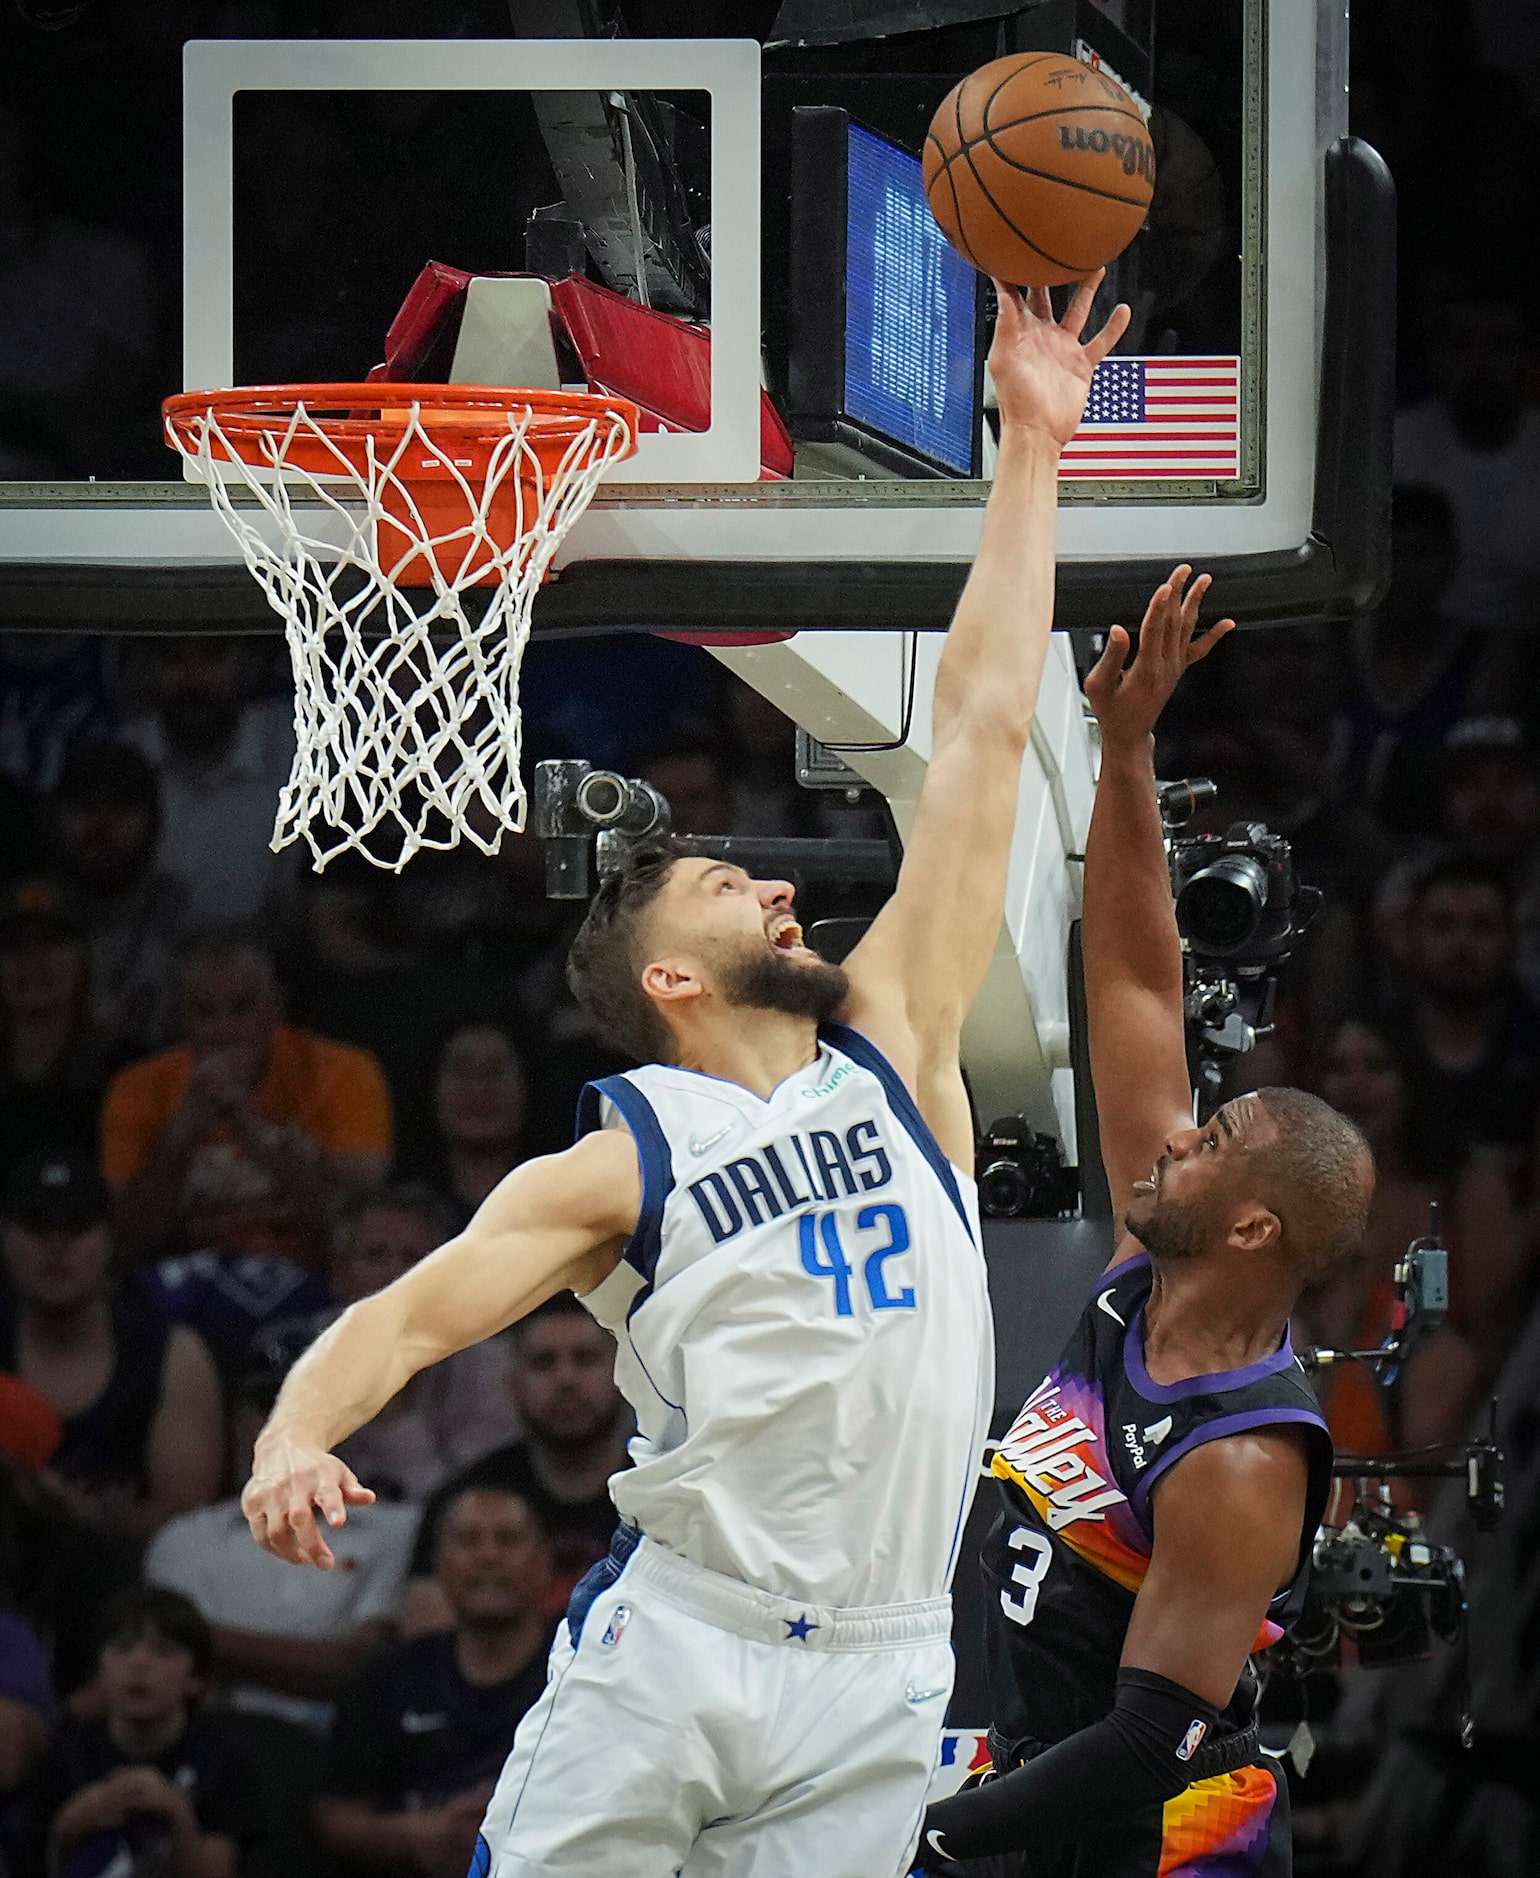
column 1255, row 1228
column 671, row 981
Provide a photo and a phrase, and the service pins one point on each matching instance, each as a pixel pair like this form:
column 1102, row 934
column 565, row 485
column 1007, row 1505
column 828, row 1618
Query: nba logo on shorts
column 614, row 1630
column 1191, row 1741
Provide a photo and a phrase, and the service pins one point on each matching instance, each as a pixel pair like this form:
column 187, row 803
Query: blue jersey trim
column 863, row 1051
column 646, row 1243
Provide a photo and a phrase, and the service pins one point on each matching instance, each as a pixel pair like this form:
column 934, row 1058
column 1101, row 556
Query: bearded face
column 1167, row 1228
column 769, row 981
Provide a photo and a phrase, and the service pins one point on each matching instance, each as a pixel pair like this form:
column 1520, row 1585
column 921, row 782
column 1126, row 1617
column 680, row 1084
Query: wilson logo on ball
column 1007, row 173
column 1136, row 156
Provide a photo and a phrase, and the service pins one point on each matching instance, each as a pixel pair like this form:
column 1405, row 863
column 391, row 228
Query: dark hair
column 1319, row 1158
column 559, row 1304
column 224, row 940
column 605, row 962
column 415, row 1198
column 100, row 770
column 152, row 1610
column 1421, row 506
column 464, row 1488
column 1457, row 870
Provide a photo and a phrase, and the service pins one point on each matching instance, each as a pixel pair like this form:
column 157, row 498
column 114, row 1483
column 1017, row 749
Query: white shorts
column 704, row 1728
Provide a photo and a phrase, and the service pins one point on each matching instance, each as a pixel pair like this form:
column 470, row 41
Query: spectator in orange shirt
column 246, row 1135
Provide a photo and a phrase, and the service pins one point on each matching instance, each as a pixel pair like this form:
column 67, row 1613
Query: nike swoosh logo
column 933, row 1842
column 697, row 1146
column 911, row 1694
column 1103, row 1305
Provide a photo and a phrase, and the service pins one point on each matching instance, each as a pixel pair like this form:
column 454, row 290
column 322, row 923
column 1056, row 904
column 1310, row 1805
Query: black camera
column 1379, row 1583
column 1239, row 909
column 573, row 803
column 1021, row 1174
column 1236, row 894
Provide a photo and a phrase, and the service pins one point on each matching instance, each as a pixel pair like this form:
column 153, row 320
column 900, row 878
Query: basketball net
column 407, row 593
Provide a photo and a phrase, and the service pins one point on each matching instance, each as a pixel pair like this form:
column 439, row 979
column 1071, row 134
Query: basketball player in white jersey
column 776, row 1218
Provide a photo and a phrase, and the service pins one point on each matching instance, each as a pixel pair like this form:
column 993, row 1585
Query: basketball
column 1039, row 169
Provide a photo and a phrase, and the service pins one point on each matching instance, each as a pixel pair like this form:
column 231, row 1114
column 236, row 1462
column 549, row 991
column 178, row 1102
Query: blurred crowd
column 236, row 1097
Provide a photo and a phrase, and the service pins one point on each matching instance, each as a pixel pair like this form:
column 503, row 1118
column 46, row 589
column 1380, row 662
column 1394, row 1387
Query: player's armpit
column 1228, row 1521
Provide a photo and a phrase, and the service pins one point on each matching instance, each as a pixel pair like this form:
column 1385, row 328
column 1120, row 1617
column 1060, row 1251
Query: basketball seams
column 1065, row 182
column 1067, row 110
column 955, row 234
column 1015, row 163
column 1009, row 78
column 962, row 152
column 1024, row 238
column 946, row 168
column 957, row 221
column 1005, row 191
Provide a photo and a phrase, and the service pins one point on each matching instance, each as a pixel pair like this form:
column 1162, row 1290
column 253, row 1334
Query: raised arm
column 918, row 970
column 1133, row 955
column 557, row 1222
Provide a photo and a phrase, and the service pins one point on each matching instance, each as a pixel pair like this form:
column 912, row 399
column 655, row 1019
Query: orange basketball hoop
column 372, row 510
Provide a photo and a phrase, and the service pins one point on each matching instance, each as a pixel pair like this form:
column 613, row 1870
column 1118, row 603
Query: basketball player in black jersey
column 1161, row 1489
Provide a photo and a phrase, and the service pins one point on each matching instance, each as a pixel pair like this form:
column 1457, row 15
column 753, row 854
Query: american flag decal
column 1166, row 417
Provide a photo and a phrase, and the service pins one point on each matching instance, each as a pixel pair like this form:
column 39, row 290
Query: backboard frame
column 703, row 555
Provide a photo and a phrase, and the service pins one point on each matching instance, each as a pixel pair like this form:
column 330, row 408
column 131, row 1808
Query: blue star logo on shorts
column 798, row 1629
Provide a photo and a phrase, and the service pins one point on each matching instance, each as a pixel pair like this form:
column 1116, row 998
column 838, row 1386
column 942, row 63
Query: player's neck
column 756, row 1049
column 1198, row 1322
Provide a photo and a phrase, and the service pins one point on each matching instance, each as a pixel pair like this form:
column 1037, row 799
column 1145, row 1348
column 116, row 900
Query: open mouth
column 787, row 937
column 1150, row 1183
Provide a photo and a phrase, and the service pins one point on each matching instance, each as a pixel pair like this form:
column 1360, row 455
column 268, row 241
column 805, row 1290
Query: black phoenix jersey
column 1069, row 1551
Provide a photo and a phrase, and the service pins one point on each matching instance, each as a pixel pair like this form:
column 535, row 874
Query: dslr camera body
column 1239, row 909
column 1236, row 894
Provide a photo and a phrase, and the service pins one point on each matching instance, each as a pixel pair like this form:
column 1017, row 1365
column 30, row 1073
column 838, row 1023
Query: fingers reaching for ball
column 1128, row 697
column 1040, row 366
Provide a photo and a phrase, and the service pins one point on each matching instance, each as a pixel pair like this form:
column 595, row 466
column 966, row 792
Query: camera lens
column 601, row 797
column 1005, row 1192
column 1220, row 908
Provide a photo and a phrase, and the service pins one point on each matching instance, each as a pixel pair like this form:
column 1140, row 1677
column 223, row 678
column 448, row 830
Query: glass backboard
column 730, row 229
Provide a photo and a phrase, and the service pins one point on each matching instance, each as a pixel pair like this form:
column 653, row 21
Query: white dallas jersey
column 803, row 1328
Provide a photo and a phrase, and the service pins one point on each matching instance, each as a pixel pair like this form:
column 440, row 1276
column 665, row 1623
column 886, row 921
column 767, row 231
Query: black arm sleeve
column 1140, row 1755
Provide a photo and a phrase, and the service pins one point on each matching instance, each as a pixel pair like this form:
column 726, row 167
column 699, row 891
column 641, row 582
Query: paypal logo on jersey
column 786, row 1175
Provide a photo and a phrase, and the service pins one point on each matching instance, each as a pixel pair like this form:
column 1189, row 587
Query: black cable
column 873, row 749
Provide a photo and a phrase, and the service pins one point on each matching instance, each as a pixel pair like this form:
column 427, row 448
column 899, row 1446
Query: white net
column 406, row 596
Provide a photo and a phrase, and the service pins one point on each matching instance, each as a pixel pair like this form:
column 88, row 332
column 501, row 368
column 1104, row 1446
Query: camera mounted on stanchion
column 587, row 820
column 1240, row 910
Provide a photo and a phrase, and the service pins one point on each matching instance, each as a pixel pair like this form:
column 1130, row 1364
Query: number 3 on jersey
column 821, row 1230
column 1029, row 1574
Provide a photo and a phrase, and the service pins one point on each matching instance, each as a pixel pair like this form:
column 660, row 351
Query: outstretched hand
column 1041, row 370
column 1127, row 699
column 289, row 1482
